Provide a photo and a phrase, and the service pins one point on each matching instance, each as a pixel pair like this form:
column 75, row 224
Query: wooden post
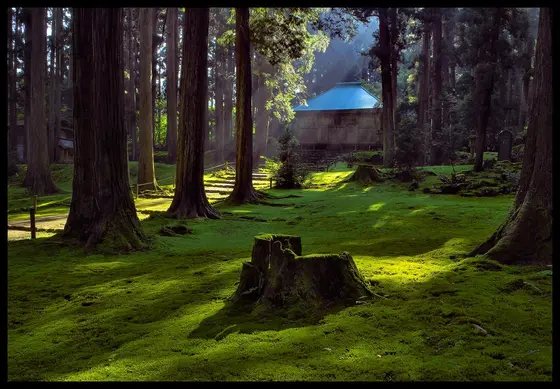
column 32, row 219
column 270, row 182
column 35, row 202
column 137, row 191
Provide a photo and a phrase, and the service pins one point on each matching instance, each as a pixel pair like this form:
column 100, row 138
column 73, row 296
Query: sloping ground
column 163, row 314
column 218, row 186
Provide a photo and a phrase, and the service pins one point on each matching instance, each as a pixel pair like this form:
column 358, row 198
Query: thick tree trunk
column 435, row 150
column 485, row 87
column 243, row 190
column 526, row 82
column 229, row 131
column 190, row 199
column 26, row 16
column 386, row 87
column 423, row 93
column 52, row 82
column 38, row 177
column 526, row 235
column 146, row 171
column 58, row 81
column 219, row 93
column 172, row 85
column 102, row 208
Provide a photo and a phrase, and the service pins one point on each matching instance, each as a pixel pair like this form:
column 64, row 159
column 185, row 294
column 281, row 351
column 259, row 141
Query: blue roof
column 345, row 95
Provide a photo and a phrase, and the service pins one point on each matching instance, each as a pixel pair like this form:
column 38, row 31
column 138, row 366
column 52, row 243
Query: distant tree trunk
column 228, row 96
column 102, row 208
column 435, row 152
column 155, row 43
column 58, row 80
column 261, row 119
column 171, row 65
column 485, row 87
column 132, row 52
column 386, row 87
column 38, row 177
column 52, row 82
column 146, row 171
column 394, row 62
column 424, row 83
column 526, row 82
column 243, row 190
column 26, row 17
column 526, row 235
column 13, row 141
column 190, row 200
column 219, row 111
column 446, row 149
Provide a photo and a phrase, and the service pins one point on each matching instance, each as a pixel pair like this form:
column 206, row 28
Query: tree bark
column 243, row 190
column 131, row 86
column 526, row 235
column 423, row 93
column 190, row 200
column 102, row 209
column 52, row 82
column 394, row 62
column 58, row 80
column 229, row 131
column 261, row 97
column 172, row 85
column 435, row 150
column 485, row 87
column 146, row 171
column 155, row 15
column 386, row 86
column 38, row 177
column 219, row 95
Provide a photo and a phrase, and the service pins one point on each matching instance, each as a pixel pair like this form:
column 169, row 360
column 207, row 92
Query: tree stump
column 278, row 276
column 366, row 174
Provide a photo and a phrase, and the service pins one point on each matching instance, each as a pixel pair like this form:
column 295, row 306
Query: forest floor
column 162, row 314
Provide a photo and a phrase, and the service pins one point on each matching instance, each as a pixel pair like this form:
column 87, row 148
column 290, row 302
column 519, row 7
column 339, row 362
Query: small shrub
column 408, row 144
column 291, row 173
column 12, row 164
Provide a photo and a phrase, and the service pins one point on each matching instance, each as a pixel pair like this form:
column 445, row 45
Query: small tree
column 408, row 138
column 291, row 173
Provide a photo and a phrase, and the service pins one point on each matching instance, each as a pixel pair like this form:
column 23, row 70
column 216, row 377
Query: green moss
column 162, row 314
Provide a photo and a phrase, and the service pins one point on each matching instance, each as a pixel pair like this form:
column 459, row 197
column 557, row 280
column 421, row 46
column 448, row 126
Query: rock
column 426, row 190
column 175, row 230
column 413, row 186
column 487, row 192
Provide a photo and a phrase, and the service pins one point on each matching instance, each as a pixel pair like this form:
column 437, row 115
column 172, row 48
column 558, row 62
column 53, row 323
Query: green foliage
column 408, row 142
column 290, row 174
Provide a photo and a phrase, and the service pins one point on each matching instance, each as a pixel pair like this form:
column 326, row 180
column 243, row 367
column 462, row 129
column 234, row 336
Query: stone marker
column 505, row 139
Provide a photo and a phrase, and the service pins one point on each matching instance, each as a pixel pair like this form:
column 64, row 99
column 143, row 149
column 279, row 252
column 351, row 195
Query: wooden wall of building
column 359, row 129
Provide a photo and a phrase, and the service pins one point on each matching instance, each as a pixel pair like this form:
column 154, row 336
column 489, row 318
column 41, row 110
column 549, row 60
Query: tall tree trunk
column 102, row 208
column 130, row 109
column 155, row 14
column 26, row 17
column 146, row 171
column 243, row 190
column 52, row 81
column 526, row 82
column 394, row 62
column 386, row 87
column 262, row 115
column 219, row 92
column 13, row 141
column 484, row 88
column 229, row 131
column 190, row 200
column 171, row 85
column 423, row 93
column 532, row 211
column 435, row 152
column 58, row 81
column 38, row 177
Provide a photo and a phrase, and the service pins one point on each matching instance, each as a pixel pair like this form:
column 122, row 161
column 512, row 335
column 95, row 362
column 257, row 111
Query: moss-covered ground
column 162, row 314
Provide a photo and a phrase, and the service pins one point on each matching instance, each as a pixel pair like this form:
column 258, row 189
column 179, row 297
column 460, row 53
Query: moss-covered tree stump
column 279, row 276
column 366, row 174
